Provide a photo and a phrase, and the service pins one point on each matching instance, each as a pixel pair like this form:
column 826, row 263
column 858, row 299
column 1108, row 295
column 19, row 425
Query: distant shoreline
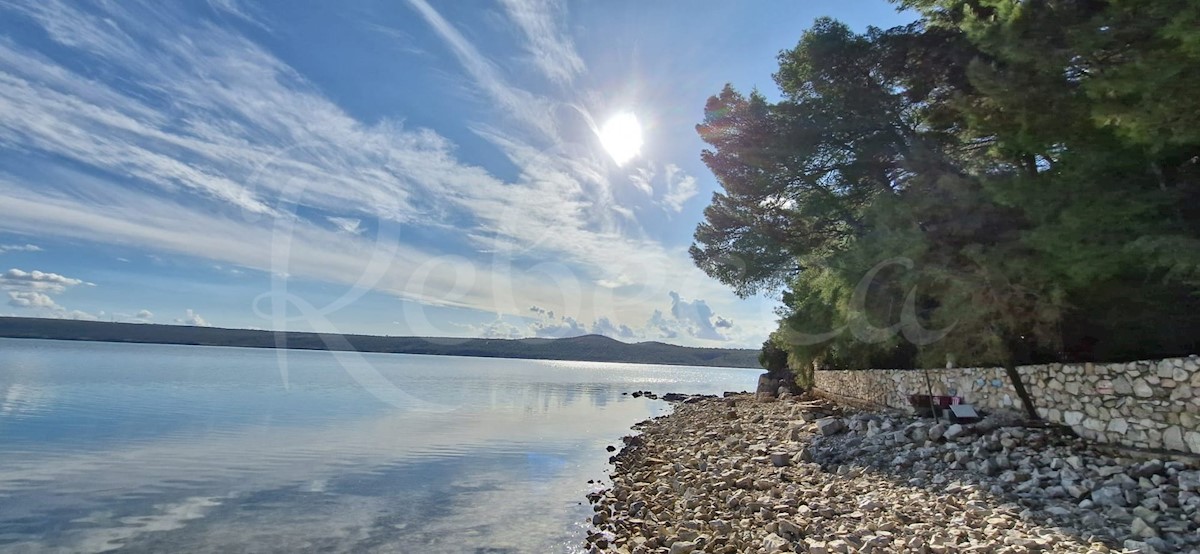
column 587, row 348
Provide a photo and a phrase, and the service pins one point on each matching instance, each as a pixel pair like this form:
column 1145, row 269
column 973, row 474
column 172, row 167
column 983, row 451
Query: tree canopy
column 998, row 182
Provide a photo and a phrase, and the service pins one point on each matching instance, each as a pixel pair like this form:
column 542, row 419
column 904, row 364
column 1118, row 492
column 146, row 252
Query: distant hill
column 594, row 348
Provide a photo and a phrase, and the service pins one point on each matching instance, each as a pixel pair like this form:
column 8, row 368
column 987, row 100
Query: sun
column 621, row 136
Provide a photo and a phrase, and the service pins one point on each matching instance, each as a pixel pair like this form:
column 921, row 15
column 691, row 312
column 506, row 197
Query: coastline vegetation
column 997, row 183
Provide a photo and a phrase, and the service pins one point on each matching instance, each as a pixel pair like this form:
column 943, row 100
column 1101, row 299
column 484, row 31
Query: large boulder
column 830, row 426
column 767, row 384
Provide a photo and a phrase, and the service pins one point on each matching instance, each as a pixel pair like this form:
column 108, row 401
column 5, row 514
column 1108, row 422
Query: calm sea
column 153, row 448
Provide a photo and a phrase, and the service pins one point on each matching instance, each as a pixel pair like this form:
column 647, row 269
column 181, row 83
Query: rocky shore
column 739, row 474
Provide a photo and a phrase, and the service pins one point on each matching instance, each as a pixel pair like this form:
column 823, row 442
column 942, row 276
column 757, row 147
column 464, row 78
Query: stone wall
column 1146, row 404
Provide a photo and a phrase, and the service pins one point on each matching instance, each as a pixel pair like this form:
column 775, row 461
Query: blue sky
column 396, row 168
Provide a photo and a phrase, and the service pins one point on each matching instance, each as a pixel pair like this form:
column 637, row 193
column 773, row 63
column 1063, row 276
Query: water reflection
column 153, row 448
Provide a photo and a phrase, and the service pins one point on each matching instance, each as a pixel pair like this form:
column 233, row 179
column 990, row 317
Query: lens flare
column 621, row 137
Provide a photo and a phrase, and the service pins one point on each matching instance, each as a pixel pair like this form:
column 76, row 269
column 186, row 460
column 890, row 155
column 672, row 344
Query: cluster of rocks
column 672, row 396
column 742, row 474
column 1143, row 404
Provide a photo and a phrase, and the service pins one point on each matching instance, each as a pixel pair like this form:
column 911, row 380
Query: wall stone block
column 1148, row 404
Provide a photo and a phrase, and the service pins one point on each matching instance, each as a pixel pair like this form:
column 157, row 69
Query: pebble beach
column 748, row 473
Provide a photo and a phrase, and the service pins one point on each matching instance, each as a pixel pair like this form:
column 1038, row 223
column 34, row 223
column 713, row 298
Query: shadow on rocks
column 998, row 470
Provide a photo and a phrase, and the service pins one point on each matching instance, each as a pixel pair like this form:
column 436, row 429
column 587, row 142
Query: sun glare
column 622, row 137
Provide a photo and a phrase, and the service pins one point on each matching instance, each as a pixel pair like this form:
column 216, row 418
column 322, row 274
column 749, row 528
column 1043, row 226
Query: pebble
column 800, row 474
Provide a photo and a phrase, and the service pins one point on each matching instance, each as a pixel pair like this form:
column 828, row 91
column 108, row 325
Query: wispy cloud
column 681, row 187
column 549, row 48
column 524, row 107
column 19, row 248
column 676, row 187
column 237, row 10
column 347, row 224
column 205, row 133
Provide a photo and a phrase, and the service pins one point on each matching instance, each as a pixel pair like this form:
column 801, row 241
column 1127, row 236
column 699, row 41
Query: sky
column 382, row 167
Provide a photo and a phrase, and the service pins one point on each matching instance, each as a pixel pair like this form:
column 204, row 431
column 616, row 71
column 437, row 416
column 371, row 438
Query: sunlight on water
column 161, row 448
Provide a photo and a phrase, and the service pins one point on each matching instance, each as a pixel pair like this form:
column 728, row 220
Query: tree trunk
column 1011, row 369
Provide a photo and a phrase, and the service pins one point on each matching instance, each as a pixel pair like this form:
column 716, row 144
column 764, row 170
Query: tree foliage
column 998, row 182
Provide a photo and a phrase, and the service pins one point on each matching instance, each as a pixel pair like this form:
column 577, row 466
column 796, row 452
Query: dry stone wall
column 1144, row 404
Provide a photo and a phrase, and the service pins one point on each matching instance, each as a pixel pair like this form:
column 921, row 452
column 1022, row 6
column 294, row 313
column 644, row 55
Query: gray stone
column 954, row 431
column 1148, row 469
column 1189, row 481
column 810, row 417
column 1108, row 497
column 1142, row 389
column 1139, row 547
column 635, row 508
column 830, row 425
column 1072, row 418
column 1192, row 438
column 771, row 543
column 1118, row 425
column 1173, row 439
column 790, row 530
column 1189, row 421
column 780, row 459
column 1140, row 528
column 683, row 547
column 1179, row 374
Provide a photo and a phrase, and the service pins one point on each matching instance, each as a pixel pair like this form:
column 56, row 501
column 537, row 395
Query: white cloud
column 19, row 248
column 642, row 178
column 687, row 320
column 677, row 187
column 239, row 138
column 347, row 224
column 192, row 318
column 560, row 327
column 681, row 187
column 603, row 326
column 238, row 10
column 144, row 314
column 499, row 329
column 546, row 42
column 37, row 281
column 77, row 314
column 31, row 299
column 697, row 318
column 527, row 109
column 35, row 290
